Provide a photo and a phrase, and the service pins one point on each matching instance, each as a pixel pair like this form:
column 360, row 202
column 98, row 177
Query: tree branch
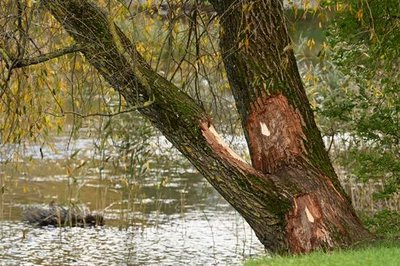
column 19, row 63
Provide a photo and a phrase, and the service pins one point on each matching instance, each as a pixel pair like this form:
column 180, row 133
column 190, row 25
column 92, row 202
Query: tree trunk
column 290, row 196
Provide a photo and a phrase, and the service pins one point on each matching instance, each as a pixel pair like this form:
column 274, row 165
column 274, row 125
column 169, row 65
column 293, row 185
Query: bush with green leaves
column 357, row 95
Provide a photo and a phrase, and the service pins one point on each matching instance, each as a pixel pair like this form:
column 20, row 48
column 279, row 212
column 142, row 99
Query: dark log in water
column 54, row 215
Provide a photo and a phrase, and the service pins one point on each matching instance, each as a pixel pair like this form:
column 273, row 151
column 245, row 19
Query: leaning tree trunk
column 290, row 196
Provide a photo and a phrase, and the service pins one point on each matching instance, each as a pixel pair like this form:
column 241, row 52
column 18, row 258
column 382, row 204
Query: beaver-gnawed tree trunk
column 290, row 196
column 279, row 125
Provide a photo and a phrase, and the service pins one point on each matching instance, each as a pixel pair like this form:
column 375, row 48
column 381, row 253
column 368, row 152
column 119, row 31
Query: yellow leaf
column 246, row 43
column 310, row 43
column 359, row 14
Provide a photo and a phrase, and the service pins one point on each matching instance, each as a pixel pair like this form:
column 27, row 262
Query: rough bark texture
column 275, row 131
column 260, row 63
column 279, row 124
column 290, row 196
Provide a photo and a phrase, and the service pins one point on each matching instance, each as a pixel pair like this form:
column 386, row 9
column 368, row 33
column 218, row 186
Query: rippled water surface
column 191, row 241
column 170, row 217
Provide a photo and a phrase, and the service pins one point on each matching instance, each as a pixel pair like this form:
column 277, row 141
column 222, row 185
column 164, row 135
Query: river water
column 170, row 216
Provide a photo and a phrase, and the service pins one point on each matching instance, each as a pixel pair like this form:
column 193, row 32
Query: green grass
column 382, row 255
column 384, row 252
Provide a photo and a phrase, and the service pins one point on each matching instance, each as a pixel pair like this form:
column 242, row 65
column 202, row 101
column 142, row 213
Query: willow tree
column 290, row 194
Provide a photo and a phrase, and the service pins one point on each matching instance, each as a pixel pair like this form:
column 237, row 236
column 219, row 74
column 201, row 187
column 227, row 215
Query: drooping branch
column 176, row 9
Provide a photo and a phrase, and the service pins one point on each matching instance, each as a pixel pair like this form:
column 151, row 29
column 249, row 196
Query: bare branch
column 46, row 57
column 130, row 110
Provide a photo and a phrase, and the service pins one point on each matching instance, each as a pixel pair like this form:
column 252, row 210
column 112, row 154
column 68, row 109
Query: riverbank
column 384, row 251
column 387, row 254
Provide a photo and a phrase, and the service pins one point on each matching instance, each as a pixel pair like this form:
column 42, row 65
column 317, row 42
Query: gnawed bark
column 259, row 60
column 287, row 198
column 320, row 217
column 279, row 124
column 276, row 133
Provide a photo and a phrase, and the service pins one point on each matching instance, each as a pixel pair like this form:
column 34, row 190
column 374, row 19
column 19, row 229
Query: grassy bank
column 378, row 255
column 385, row 252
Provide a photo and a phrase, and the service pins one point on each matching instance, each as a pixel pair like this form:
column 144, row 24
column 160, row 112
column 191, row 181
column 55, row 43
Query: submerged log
column 55, row 215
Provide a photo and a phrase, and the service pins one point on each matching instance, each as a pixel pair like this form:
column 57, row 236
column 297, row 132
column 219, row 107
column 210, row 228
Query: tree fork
column 257, row 197
column 288, row 209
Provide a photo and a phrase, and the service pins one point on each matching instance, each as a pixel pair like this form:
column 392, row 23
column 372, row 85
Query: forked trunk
column 280, row 127
column 290, row 196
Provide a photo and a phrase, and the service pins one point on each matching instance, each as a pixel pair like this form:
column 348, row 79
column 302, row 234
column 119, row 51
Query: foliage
column 38, row 100
column 127, row 140
column 66, row 95
column 384, row 223
column 357, row 90
column 180, row 43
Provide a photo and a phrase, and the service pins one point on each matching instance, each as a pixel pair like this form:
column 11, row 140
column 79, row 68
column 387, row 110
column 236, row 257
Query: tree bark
column 279, row 124
column 290, row 196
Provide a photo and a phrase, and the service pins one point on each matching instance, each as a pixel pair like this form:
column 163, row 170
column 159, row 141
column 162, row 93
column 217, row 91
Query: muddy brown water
column 168, row 217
